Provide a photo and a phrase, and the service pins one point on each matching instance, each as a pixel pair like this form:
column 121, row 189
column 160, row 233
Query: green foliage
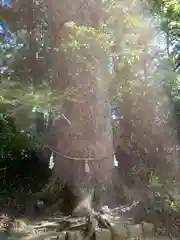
column 16, row 96
column 164, row 200
column 82, row 36
column 163, row 208
column 13, row 143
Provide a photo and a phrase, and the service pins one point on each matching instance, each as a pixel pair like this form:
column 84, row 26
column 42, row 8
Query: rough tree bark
column 89, row 134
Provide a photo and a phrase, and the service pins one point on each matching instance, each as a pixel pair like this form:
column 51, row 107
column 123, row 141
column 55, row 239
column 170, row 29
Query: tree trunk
column 84, row 157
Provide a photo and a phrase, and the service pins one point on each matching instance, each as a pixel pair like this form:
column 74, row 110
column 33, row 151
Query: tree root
column 86, row 227
column 54, row 207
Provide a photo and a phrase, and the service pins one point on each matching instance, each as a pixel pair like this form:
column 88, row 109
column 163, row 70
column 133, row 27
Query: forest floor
column 106, row 225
